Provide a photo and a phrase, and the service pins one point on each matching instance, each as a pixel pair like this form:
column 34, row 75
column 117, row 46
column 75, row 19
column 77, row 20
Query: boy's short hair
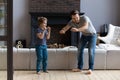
column 74, row 12
column 41, row 20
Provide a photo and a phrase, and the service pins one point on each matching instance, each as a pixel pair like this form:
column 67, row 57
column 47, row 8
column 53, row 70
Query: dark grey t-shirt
column 83, row 19
column 38, row 40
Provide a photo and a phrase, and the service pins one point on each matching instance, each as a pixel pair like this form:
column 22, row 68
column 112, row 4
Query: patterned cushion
column 107, row 39
column 116, row 36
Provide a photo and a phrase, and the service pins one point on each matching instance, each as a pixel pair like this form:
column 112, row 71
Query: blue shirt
column 38, row 40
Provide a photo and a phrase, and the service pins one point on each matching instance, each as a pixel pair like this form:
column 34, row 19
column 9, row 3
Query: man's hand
column 62, row 32
column 74, row 30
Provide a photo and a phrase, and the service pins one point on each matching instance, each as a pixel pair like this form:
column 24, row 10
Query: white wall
column 100, row 12
column 21, row 20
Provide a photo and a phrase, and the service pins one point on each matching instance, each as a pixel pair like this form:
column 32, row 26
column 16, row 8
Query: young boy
column 42, row 34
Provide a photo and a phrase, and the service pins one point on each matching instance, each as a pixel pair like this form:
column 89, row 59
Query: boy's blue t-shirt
column 41, row 41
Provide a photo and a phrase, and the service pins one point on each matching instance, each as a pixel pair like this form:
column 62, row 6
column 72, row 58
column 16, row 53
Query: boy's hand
column 49, row 28
column 44, row 28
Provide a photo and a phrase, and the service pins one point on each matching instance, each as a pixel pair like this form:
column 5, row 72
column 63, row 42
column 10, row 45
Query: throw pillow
column 107, row 39
column 116, row 36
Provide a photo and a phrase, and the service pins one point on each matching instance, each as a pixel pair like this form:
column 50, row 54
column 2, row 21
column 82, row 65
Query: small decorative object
column 20, row 43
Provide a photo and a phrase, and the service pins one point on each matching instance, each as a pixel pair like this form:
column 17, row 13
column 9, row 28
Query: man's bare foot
column 89, row 72
column 76, row 70
column 45, row 71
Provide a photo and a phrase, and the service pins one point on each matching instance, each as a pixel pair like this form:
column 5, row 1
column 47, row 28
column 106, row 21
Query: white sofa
column 112, row 45
column 59, row 58
column 63, row 58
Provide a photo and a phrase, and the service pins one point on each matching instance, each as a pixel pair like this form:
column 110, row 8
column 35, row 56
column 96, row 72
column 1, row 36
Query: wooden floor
column 64, row 75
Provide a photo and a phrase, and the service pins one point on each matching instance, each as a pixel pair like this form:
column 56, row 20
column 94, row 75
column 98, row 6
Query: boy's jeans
column 42, row 57
column 91, row 40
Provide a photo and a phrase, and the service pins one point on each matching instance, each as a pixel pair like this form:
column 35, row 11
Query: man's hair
column 74, row 12
column 41, row 20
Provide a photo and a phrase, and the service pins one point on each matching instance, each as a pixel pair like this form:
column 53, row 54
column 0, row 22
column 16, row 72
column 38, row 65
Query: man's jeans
column 91, row 40
column 42, row 57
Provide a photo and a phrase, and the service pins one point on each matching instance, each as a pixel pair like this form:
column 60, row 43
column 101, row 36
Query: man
column 83, row 24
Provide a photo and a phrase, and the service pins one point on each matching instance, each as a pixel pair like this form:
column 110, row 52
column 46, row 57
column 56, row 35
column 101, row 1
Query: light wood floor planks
column 64, row 75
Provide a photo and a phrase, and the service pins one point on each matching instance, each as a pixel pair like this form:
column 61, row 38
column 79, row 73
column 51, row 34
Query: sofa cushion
column 21, row 59
column 113, row 59
column 109, row 46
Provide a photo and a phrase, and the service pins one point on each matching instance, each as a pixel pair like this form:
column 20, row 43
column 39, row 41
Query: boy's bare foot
column 39, row 73
column 89, row 72
column 76, row 70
